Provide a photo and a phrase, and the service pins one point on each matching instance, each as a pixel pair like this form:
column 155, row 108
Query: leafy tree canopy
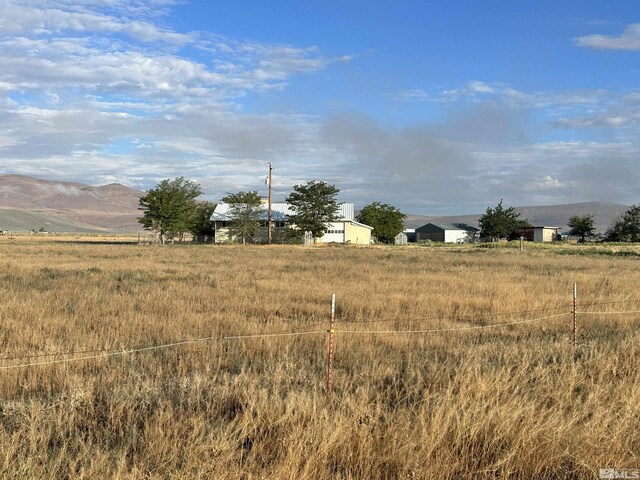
column 500, row 222
column 627, row 227
column 245, row 211
column 169, row 207
column 202, row 224
column 386, row 220
column 314, row 205
column 581, row 225
column 292, row 236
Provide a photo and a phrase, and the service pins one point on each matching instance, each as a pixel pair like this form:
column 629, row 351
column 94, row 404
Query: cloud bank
column 107, row 91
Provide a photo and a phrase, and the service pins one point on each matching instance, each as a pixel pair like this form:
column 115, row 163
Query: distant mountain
column 28, row 203
column 548, row 215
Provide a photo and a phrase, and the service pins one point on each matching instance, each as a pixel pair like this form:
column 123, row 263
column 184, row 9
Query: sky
column 432, row 106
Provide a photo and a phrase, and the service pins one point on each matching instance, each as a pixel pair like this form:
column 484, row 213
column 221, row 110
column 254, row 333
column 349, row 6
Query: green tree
column 627, row 227
column 314, row 205
column 202, row 225
column 292, row 235
column 500, row 222
column 168, row 208
column 581, row 225
column 245, row 211
column 387, row 221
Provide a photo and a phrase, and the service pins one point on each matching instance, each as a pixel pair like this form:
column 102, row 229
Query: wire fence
column 92, row 354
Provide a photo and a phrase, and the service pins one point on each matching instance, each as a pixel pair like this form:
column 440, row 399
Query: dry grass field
column 490, row 402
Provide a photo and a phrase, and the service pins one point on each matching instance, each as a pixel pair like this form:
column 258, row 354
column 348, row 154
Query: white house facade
column 344, row 230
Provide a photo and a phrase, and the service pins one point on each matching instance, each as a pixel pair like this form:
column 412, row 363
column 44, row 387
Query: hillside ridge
column 28, row 203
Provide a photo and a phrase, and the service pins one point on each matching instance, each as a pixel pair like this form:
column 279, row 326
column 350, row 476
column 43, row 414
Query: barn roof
column 463, row 227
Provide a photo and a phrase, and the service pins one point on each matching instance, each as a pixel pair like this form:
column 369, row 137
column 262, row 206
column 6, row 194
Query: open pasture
column 470, row 400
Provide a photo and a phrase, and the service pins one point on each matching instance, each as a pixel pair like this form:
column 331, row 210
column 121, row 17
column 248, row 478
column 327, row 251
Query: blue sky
column 432, row 106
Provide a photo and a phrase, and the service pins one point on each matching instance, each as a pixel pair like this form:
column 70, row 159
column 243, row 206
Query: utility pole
column 269, row 220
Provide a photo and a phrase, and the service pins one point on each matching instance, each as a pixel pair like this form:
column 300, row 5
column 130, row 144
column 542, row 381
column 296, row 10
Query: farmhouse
column 539, row 234
column 448, row 233
column 344, row 230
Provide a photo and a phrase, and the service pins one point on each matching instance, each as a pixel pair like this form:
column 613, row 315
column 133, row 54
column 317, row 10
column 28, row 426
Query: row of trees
column 172, row 208
column 504, row 223
column 625, row 228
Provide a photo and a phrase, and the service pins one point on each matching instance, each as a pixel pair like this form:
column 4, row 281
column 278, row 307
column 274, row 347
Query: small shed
column 540, row 234
column 401, row 239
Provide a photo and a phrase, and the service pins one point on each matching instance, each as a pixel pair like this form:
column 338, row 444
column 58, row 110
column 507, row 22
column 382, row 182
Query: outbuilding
column 540, row 234
column 448, row 233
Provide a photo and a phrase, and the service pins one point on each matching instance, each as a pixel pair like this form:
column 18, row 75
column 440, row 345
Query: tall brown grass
column 504, row 402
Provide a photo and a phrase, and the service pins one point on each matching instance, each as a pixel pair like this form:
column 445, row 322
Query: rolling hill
column 28, row 203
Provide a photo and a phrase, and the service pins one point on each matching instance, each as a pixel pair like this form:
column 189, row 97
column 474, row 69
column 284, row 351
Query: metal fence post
column 330, row 342
column 575, row 320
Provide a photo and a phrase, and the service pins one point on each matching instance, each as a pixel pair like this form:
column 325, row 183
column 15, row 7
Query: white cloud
column 103, row 90
column 480, row 87
column 546, row 182
column 629, row 39
column 411, row 95
column 59, row 189
column 599, row 121
column 51, row 17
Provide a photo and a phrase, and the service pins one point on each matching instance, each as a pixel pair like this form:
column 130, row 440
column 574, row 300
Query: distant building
column 411, row 234
column 540, row 234
column 448, row 233
column 344, row 230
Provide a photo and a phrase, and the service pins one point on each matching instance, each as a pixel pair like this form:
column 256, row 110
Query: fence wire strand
column 267, row 335
column 610, row 303
column 595, row 312
column 462, row 317
column 441, row 330
column 56, row 354
column 92, row 351
column 109, row 354
column 105, row 353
